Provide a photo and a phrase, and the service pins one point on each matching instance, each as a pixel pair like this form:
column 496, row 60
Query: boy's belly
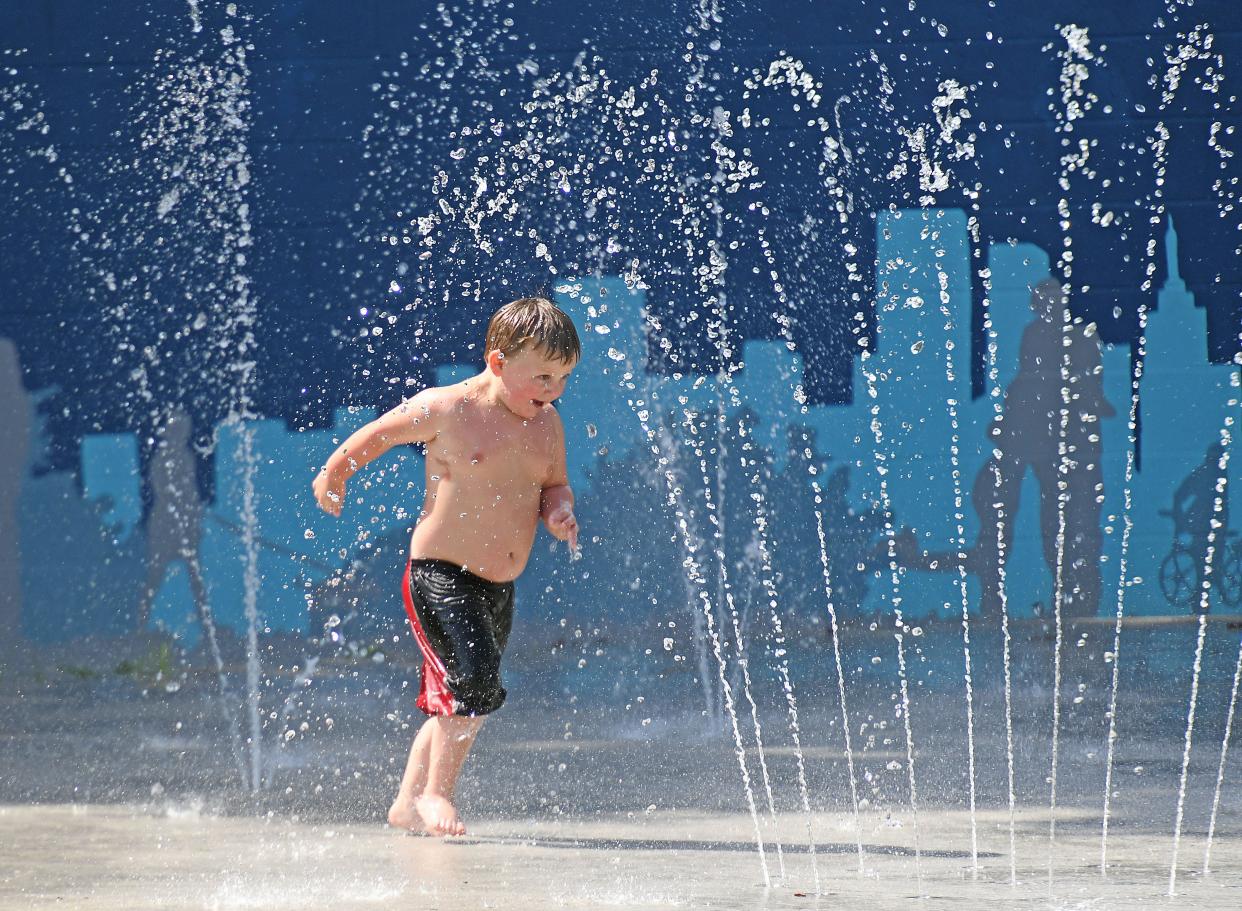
column 491, row 539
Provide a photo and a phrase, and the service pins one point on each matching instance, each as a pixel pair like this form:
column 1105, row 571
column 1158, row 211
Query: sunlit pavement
column 175, row 856
column 122, row 794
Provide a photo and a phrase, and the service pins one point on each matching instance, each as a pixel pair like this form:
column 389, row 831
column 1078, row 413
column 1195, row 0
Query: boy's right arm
column 413, row 421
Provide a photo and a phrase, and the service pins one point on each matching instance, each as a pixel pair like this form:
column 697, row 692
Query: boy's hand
column 563, row 526
column 329, row 491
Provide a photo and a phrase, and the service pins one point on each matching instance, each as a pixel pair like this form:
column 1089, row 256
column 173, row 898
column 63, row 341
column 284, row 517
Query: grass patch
column 156, row 664
column 78, row 671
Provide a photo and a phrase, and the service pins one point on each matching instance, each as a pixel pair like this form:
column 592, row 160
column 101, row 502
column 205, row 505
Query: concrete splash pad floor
column 172, row 857
column 117, row 793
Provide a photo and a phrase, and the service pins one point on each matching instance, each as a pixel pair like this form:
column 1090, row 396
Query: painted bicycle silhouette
column 1181, row 571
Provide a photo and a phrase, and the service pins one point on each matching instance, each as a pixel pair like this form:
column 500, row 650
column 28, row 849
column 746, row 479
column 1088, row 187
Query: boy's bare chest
column 490, row 453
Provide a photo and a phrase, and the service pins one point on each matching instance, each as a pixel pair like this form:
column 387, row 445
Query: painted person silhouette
column 15, row 419
column 174, row 525
column 1029, row 435
column 1051, row 344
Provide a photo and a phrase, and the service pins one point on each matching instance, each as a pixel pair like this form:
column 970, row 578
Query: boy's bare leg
column 452, row 737
column 435, row 761
column 403, row 814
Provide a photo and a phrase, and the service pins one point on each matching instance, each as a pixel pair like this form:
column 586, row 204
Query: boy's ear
column 495, row 360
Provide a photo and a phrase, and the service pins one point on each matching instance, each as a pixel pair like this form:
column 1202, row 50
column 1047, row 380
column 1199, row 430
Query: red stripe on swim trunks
column 434, row 695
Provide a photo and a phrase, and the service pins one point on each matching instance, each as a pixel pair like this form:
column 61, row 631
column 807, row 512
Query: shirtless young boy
column 495, row 467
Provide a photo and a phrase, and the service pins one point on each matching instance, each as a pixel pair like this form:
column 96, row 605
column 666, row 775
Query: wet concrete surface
column 604, row 787
column 174, row 856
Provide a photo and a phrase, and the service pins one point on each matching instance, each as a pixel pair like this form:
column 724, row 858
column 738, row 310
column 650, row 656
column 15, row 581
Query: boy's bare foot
column 439, row 816
column 402, row 815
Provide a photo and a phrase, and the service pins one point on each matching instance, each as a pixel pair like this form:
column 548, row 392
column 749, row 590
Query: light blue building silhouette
column 1186, row 402
column 599, row 407
column 297, row 543
column 922, row 255
column 920, row 368
column 110, row 469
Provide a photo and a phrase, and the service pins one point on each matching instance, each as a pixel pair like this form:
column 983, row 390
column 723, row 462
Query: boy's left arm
column 556, row 500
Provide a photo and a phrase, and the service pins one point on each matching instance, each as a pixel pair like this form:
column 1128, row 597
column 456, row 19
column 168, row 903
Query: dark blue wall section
column 328, row 177
column 209, row 202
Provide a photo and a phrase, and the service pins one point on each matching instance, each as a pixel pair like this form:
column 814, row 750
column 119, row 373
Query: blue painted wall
column 108, row 283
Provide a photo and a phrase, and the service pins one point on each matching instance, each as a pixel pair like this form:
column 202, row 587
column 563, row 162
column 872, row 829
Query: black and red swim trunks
column 462, row 623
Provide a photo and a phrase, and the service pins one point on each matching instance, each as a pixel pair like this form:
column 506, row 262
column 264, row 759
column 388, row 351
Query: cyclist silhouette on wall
column 1055, row 353
column 1194, row 508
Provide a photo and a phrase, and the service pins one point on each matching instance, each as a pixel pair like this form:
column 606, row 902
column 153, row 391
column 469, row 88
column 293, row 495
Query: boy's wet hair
column 533, row 321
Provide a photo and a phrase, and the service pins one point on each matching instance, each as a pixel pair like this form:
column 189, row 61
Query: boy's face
column 531, row 379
